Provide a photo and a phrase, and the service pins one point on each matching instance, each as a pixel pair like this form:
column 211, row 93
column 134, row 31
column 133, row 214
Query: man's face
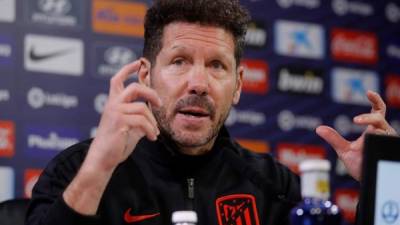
column 196, row 77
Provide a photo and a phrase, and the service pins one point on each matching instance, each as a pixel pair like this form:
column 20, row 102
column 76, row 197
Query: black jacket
column 228, row 185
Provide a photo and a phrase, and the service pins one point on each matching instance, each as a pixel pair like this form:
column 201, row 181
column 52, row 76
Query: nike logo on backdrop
column 137, row 218
column 39, row 57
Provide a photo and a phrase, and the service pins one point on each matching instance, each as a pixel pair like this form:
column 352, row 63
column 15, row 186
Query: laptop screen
column 387, row 199
column 380, row 185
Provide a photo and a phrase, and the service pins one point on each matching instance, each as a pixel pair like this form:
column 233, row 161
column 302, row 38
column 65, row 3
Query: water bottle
column 184, row 218
column 315, row 208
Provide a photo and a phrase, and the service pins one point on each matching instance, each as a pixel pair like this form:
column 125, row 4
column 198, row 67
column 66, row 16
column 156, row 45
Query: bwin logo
column 392, row 12
column 119, row 55
column 37, row 99
column 307, row 82
column 55, row 7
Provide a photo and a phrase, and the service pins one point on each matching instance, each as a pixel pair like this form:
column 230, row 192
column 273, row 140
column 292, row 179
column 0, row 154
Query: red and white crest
column 237, row 209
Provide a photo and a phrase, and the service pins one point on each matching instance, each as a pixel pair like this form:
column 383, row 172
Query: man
column 189, row 78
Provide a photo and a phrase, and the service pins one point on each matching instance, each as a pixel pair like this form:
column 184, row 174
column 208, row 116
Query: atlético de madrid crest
column 237, row 209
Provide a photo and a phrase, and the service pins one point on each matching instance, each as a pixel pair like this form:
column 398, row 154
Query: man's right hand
column 124, row 121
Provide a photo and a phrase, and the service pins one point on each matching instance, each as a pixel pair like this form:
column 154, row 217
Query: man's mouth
column 194, row 111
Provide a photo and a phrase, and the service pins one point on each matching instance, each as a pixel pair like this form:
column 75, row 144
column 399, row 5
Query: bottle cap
column 184, row 216
column 315, row 165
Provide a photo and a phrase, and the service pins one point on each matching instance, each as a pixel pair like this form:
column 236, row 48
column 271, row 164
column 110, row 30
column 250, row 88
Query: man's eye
column 217, row 65
column 178, row 62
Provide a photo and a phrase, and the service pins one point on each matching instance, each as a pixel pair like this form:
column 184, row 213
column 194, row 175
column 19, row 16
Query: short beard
column 179, row 138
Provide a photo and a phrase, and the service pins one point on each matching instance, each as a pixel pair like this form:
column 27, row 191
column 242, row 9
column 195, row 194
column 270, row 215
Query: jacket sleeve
column 47, row 206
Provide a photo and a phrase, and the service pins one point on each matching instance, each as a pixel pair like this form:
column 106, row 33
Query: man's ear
column 144, row 72
column 238, row 86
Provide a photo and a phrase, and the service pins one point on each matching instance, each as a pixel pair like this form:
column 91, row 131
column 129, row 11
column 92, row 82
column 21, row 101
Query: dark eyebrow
column 214, row 55
column 180, row 48
column 220, row 57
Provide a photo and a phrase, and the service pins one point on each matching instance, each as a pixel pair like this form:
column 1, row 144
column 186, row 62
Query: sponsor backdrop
column 307, row 62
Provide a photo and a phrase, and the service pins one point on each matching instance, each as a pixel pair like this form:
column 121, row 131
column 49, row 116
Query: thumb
column 333, row 138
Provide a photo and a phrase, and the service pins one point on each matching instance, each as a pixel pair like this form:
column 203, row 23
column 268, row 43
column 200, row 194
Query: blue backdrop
column 308, row 62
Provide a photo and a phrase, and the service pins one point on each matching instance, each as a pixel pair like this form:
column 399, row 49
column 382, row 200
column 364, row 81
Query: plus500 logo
column 47, row 141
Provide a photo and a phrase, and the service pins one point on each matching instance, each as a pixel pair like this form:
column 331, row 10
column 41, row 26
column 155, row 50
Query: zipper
column 190, row 194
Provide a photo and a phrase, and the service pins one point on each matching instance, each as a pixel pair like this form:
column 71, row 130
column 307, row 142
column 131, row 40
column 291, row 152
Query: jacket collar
column 165, row 152
column 222, row 140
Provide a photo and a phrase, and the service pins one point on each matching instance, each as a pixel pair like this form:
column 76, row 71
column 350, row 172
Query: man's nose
column 198, row 81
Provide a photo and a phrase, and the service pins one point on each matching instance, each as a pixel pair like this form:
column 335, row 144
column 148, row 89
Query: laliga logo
column 285, row 3
column 309, row 4
column 246, row 117
column 340, row 7
column 343, row 7
column 345, row 126
column 37, row 99
column 119, row 55
column 55, row 7
column 288, row 121
column 392, row 12
column 5, row 50
column 4, row 95
column 393, row 50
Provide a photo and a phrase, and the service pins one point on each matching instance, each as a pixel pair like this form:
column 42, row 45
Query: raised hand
column 350, row 152
column 124, row 120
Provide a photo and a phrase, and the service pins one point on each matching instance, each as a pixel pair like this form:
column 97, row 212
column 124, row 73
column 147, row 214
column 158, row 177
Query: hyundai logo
column 119, row 55
column 55, row 7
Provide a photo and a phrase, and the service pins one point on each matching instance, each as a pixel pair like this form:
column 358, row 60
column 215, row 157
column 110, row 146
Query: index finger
column 377, row 103
column 117, row 81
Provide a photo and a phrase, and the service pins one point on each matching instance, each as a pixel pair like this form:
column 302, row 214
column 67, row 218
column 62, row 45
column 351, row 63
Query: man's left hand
column 350, row 152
